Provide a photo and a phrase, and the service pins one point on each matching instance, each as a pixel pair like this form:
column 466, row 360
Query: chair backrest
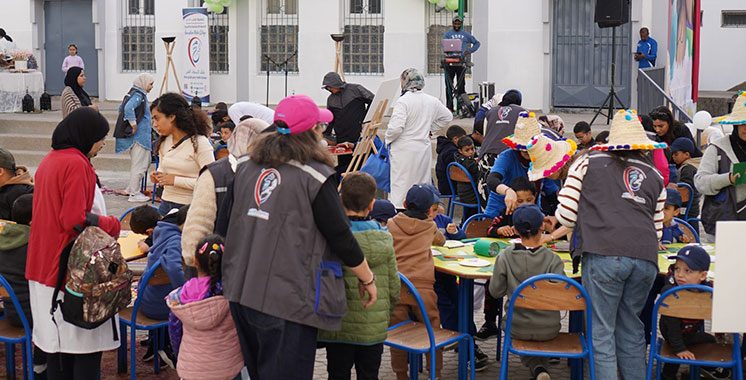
column 687, row 198
column 154, row 276
column 688, row 301
column 421, row 305
column 7, row 293
column 549, row 294
column 688, row 230
column 456, row 172
column 477, row 225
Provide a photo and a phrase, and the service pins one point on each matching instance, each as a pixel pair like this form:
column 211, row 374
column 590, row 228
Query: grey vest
column 500, row 124
column 617, row 208
column 276, row 261
column 724, row 205
column 222, row 174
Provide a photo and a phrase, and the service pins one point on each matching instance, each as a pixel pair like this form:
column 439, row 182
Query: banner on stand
column 197, row 54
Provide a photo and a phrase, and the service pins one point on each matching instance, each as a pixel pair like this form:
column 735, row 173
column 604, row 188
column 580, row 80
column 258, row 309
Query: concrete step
column 35, row 127
column 41, row 143
column 109, row 162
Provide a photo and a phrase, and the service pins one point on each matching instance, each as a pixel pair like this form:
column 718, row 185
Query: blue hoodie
column 166, row 245
column 442, row 222
column 466, row 40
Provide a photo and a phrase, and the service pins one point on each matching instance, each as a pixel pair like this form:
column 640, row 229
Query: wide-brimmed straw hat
column 525, row 129
column 548, row 156
column 627, row 133
column 738, row 116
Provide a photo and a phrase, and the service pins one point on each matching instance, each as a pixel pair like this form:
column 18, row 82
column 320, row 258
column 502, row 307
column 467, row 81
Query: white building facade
column 549, row 49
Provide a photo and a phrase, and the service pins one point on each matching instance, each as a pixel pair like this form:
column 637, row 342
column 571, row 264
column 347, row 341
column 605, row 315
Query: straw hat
column 626, row 133
column 548, row 156
column 738, row 116
column 525, row 128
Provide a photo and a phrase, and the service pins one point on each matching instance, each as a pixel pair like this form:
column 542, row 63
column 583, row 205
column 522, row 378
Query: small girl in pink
column 73, row 59
column 200, row 325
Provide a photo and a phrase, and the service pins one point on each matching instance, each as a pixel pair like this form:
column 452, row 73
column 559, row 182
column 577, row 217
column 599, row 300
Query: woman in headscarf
column 64, row 193
column 212, row 185
column 416, row 115
column 554, row 123
column 74, row 96
column 724, row 199
column 133, row 133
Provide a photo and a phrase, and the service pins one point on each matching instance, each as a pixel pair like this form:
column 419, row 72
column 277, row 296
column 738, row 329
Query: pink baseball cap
column 300, row 113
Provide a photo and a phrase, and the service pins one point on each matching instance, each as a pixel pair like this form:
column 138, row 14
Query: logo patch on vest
column 633, row 177
column 267, row 182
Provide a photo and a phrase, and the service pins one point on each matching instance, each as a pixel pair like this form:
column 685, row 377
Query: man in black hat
column 469, row 45
column 14, row 182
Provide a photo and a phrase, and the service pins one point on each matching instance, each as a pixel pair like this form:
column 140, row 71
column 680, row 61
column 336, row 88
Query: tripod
column 612, row 93
column 284, row 66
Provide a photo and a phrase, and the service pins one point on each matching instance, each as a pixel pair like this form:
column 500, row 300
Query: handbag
column 379, row 167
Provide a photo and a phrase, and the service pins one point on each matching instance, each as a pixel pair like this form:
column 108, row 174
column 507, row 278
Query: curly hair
column 193, row 123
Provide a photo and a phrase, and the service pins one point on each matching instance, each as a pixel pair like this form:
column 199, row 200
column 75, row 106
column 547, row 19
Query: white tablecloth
column 13, row 88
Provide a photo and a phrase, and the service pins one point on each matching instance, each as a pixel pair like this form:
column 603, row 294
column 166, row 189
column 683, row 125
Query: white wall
column 722, row 50
column 16, row 20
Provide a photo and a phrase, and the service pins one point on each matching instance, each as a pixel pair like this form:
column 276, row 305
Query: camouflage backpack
column 97, row 283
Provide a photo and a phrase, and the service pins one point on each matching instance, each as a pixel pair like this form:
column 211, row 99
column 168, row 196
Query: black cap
column 694, row 256
column 673, row 198
column 7, row 161
column 527, row 219
column 682, row 144
column 383, row 210
column 421, row 197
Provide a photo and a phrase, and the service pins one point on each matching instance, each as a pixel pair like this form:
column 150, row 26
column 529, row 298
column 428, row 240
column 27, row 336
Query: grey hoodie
column 707, row 180
column 513, row 266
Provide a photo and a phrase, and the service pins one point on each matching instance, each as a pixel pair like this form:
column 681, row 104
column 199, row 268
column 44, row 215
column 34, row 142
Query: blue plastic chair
column 16, row 335
column 477, row 225
column 687, row 193
column 691, row 302
column 550, row 292
column 458, row 173
column 133, row 318
column 689, row 228
column 417, row 338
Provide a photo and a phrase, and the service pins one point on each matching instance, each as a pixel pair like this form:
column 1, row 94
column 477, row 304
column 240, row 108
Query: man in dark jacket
column 349, row 103
column 14, row 182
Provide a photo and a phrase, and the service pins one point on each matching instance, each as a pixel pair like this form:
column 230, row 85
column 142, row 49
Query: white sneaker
column 138, row 198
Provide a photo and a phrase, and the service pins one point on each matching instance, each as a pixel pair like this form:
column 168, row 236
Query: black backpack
column 27, row 104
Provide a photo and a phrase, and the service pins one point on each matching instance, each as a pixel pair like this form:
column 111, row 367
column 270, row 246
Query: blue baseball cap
column 682, row 144
column 673, row 197
column 421, row 197
column 694, row 256
column 527, row 219
column 383, row 210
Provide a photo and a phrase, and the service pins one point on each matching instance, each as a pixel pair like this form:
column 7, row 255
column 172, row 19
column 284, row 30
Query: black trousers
column 455, row 75
column 274, row 348
column 62, row 366
column 491, row 305
column 340, row 358
column 670, row 370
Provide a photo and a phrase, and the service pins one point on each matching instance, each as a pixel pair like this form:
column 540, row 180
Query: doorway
column 69, row 22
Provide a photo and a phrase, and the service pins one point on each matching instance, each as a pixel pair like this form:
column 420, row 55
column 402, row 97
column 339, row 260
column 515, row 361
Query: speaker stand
column 608, row 104
column 169, row 42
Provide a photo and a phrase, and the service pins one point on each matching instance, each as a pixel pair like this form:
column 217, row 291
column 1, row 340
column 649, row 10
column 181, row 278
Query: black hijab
column 511, row 97
column 80, row 130
column 71, row 80
column 738, row 145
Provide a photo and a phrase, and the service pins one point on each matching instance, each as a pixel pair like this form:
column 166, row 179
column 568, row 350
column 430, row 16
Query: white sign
column 728, row 310
column 197, row 55
column 389, row 89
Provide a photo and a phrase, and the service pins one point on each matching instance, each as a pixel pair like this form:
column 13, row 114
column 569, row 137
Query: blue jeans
column 618, row 287
column 166, row 206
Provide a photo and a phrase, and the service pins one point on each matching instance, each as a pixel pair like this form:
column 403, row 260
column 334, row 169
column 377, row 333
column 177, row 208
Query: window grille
column 279, row 34
column 363, row 44
column 138, row 30
column 733, row 19
column 439, row 22
column 218, row 25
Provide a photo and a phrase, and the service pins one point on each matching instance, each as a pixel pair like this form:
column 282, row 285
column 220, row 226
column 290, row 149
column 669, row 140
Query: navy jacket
column 166, row 245
column 446, row 154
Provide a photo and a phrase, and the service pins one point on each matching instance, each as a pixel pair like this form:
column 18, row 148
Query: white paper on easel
column 389, row 89
column 727, row 309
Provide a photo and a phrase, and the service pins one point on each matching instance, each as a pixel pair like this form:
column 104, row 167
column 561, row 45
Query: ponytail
column 209, row 257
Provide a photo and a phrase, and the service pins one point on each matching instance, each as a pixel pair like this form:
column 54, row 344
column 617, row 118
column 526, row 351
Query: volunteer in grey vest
column 613, row 198
column 287, row 239
column 133, row 133
column 212, row 185
column 724, row 199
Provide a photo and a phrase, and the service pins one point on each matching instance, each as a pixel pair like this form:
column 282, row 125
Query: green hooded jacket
column 368, row 326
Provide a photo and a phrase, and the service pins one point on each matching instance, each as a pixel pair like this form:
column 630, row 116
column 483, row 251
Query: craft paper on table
column 727, row 310
column 453, row 244
column 739, row 171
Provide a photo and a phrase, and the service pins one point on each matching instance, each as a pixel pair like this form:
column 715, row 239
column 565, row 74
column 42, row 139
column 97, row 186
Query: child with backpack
column 200, row 324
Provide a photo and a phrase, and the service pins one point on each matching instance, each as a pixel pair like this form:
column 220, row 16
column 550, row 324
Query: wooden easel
column 365, row 144
column 169, row 42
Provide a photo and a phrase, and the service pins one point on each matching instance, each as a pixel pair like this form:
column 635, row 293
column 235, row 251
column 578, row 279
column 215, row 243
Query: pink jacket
column 209, row 347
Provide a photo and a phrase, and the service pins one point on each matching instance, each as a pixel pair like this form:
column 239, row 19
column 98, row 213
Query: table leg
column 465, row 318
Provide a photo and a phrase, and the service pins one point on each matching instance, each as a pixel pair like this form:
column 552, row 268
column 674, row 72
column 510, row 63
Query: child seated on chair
column 360, row 341
column 382, row 211
column 446, row 149
column 143, row 221
column 672, row 231
column 502, row 225
column 682, row 153
column 200, row 325
column 516, row 264
column 414, row 232
column 465, row 157
column 692, row 264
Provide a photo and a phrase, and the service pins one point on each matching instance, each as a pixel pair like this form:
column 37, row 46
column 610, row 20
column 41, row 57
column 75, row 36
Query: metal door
column 69, row 22
column 581, row 57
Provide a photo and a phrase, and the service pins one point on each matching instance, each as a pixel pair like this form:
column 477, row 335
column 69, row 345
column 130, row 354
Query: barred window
column 439, row 21
column 279, row 34
column 218, row 25
column 363, row 44
column 137, row 25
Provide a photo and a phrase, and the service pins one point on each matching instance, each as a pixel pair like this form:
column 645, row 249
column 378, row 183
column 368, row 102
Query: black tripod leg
column 600, row 110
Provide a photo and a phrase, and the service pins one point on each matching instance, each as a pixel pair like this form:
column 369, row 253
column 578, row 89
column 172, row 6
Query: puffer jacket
column 368, row 326
column 20, row 184
column 209, row 347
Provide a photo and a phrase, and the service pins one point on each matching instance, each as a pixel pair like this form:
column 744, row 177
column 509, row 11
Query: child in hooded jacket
column 200, row 324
